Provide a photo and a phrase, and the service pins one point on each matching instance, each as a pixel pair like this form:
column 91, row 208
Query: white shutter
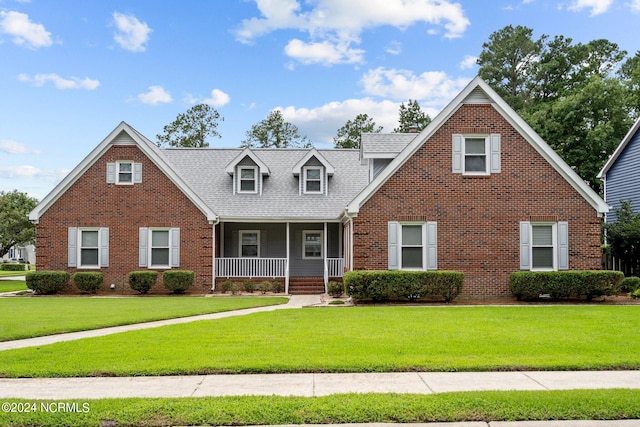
column 143, row 252
column 103, row 238
column 525, row 245
column 495, row 153
column 137, row 173
column 72, row 249
column 111, row 173
column 457, row 153
column 175, row 247
column 563, row 245
column 393, row 236
column 432, row 245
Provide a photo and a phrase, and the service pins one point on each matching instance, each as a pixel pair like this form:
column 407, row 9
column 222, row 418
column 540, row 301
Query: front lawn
column 338, row 409
column 359, row 339
column 12, row 286
column 38, row 316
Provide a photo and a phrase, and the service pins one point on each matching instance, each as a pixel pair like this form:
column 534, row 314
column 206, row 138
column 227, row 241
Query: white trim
column 554, row 244
column 423, row 244
column 512, row 117
column 146, row 146
column 242, row 233
column 255, row 179
column 151, row 247
column 487, row 155
column 313, row 153
column 305, row 179
column 619, row 149
column 119, row 163
column 247, row 152
column 80, row 247
column 304, row 242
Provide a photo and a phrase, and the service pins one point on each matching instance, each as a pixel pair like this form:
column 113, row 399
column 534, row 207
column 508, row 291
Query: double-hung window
column 544, row 246
column 88, row 247
column 125, row 173
column 312, row 242
column 413, row 245
column 248, row 179
column 476, row 154
column 159, row 247
column 312, row 179
column 249, row 244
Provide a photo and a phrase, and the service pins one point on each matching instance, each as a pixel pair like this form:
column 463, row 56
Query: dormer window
column 248, row 179
column 313, row 180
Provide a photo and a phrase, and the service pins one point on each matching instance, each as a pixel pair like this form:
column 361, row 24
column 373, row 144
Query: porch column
column 286, row 271
column 324, row 256
column 213, row 257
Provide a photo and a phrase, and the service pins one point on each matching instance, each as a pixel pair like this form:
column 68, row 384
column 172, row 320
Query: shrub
column 178, row 281
column 248, row 286
column 88, row 281
column 635, row 294
column 226, row 286
column 527, row 285
column 264, row 286
column 411, row 285
column 630, row 284
column 142, row 281
column 47, row 282
column 335, row 289
column 277, row 287
column 13, row 267
column 235, row 288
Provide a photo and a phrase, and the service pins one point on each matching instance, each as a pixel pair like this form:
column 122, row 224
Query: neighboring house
column 20, row 253
column 621, row 173
column 476, row 191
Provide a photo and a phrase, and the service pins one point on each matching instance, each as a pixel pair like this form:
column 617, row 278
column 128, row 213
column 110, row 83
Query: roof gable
column 123, row 134
column 231, row 167
column 479, row 92
column 310, row 154
column 616, row 154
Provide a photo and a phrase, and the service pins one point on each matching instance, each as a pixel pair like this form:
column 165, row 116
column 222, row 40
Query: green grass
column 12, row 285
column 359, row 339
column 38, row 316
column 11, row 273
column 342, row 408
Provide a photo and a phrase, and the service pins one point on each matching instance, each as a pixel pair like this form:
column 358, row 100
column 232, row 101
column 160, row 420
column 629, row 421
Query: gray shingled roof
column 384, row 143
column 204, row 172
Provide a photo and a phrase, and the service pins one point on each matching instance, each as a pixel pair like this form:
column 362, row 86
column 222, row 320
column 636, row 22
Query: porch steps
column 306, row 285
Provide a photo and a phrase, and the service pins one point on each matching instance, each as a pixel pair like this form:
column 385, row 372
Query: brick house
column 477, row 191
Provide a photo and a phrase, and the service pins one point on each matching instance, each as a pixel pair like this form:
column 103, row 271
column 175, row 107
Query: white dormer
column 313, row 171
column 247, row 171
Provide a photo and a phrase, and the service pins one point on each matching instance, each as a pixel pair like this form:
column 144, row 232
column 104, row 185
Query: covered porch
column 303, row 255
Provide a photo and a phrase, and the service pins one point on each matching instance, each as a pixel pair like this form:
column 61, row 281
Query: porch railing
column 335, row 267
column 251, row 267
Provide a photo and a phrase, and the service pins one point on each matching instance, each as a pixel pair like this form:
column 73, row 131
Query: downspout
column 213, row 254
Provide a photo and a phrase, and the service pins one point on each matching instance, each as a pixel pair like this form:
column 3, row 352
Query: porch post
column 213, row 257
column 324, row 256
column 286, row 270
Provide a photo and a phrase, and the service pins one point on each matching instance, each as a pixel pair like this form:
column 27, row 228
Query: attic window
column 125, row 173
column 248, row 179
column 312, row 180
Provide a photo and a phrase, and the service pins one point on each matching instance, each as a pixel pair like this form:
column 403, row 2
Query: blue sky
column 71, row 70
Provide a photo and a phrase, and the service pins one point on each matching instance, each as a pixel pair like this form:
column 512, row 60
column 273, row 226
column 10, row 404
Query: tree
column 15, row 227
column 275, row 132
column 507, row 61
column 412, row 117
column 349, row 135
column 624, row 236
column 629, row 74
column 192, row 128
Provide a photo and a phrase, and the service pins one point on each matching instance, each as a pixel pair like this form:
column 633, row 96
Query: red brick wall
column 478, row 217
column 156, row 202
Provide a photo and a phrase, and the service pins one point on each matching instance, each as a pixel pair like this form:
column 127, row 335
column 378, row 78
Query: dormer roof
column 231, row 167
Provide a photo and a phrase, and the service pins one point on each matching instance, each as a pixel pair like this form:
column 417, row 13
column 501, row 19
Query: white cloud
column 342, row 22
column 394, row 48
column 468, row 62
column 156, row 95
column 131, row 34
column 14, row 147
column 218, row 98
column 435, row 87
column 324, row 52
column 24, row 32
column 27, row 171
column 597, row 6
column 60, row 82
column 635, row 5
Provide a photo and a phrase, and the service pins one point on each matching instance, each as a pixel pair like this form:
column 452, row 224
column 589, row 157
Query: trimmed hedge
column 631, row 284
column 13, row 267
column 88, row 281
column 142, row 281
column 178, row 281
column 382, row 285
column 47, row 282
column 335, row 289
column 587, row 284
